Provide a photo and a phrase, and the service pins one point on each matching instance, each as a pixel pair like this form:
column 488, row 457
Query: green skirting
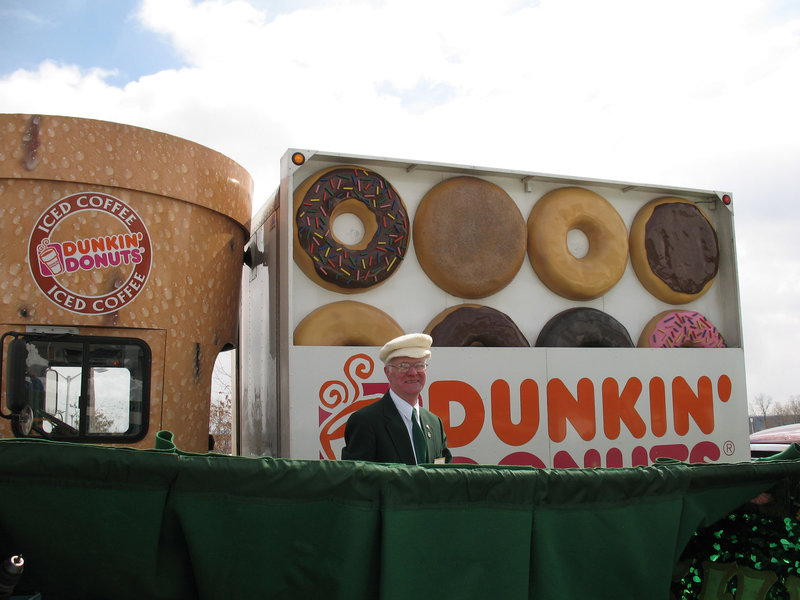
column 96, row 522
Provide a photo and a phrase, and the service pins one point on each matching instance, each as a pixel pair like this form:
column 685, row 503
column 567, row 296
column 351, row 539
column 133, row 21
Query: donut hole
column 577, row 243
column 353, row 224
column 348, row 229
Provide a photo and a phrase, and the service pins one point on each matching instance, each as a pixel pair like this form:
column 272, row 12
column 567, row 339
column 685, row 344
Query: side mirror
column 16, row 365
column 253, row 256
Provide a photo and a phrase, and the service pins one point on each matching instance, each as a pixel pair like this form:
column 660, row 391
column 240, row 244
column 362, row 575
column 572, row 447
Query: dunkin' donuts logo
column 339, row 399
column 62, row 260
column 612, row 421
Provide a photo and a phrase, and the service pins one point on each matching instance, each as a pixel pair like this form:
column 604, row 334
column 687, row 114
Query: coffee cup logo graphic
column 90, row 253
column 50, row 259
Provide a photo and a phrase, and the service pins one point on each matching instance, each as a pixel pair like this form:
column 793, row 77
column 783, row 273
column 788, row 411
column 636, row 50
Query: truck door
column 88, row 386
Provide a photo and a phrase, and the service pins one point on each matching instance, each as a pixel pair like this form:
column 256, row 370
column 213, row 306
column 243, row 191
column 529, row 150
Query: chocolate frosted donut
column 584, row 328
column 469, row 237
column 674, row 250
column 474, row 325
column 341, row 267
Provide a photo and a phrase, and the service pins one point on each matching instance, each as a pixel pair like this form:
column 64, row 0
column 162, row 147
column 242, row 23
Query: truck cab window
column 82, row 388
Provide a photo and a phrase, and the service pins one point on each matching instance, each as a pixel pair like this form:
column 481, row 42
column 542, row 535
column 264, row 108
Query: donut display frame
column 559, row 404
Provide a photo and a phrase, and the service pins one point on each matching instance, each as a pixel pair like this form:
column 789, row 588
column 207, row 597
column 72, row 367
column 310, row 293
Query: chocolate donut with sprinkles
column 328, row 261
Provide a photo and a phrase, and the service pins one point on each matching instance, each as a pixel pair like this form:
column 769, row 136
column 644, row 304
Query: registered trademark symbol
column 729, row 448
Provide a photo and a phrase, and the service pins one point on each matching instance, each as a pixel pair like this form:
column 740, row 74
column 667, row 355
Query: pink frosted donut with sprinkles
column 329, row 261
column 680, row 329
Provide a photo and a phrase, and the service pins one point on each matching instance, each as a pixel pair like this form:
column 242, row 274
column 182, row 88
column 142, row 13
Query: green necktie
column 420, row 448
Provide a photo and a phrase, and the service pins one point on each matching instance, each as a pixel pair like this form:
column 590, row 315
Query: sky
column 688, row 93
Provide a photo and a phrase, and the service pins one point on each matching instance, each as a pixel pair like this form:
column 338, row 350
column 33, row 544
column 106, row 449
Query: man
column 395, row 428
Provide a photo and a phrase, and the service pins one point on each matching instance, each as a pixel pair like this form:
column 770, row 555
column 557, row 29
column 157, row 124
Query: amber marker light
column 298, row 158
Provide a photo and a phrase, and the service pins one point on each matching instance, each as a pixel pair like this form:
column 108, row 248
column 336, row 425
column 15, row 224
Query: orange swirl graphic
column 333, row 393
column 363, row 369
column 360, row 366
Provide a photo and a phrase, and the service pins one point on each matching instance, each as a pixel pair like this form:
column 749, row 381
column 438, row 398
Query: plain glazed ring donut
column 332, row 264
column 584, row 328
column 469, row 237
column 474, row 325
column 674, row 250
column 552, row 218
column 680, row 329
column 346, row 323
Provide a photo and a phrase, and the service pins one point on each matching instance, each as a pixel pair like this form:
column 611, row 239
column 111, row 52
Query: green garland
column 757, row 546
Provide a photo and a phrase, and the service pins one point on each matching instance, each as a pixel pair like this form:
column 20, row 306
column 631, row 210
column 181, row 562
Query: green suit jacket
column 377, row 433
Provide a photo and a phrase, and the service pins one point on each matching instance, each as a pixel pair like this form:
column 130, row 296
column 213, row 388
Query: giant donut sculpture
column 475, row 325
column 346, row 323
column 329, row 262
column 584, row 328
column 552, row 218
column 469, row 237
column 680, row 329
column 674, row 250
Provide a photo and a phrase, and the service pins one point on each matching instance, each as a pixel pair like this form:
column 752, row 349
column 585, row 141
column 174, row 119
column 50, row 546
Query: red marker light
column 726, row 199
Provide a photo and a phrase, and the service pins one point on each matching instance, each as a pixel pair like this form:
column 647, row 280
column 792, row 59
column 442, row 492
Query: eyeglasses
column 404, row 367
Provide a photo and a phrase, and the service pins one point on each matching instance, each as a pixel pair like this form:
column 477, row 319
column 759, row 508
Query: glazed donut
column 474, row 325
column 469, row 237
column 337, row 266
column 346, row 323
column 674, row 250
column 552, row 218
column 680, row 329
column 584, row 328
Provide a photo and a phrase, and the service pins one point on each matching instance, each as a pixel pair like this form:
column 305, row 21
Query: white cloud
column 59, row 89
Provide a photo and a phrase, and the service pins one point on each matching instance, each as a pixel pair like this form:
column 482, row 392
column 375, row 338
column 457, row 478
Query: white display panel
column 545, row 407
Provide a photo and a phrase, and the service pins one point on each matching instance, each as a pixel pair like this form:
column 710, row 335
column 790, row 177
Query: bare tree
column 220, row 416
column 783, row 414
column 774, row 413
column 219, row 425
column 760, row 406
column 794, row 406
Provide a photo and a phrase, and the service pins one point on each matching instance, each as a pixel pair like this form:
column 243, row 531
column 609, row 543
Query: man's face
column 406, row 384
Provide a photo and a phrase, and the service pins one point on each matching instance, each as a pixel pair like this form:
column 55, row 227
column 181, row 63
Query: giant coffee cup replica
column 112, row 230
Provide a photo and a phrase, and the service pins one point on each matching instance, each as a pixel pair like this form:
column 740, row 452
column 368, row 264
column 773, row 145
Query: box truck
column 576, row 322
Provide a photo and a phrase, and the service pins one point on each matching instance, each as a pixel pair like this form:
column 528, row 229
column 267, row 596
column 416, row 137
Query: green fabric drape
column 98, row 522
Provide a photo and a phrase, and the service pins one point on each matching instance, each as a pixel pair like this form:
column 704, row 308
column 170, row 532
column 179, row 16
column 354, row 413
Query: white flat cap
column 412, row 345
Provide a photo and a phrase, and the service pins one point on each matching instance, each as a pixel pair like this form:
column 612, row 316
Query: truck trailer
column 552, row 370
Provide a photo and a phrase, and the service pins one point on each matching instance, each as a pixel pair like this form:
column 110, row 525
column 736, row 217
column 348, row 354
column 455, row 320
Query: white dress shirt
column 406, row 410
